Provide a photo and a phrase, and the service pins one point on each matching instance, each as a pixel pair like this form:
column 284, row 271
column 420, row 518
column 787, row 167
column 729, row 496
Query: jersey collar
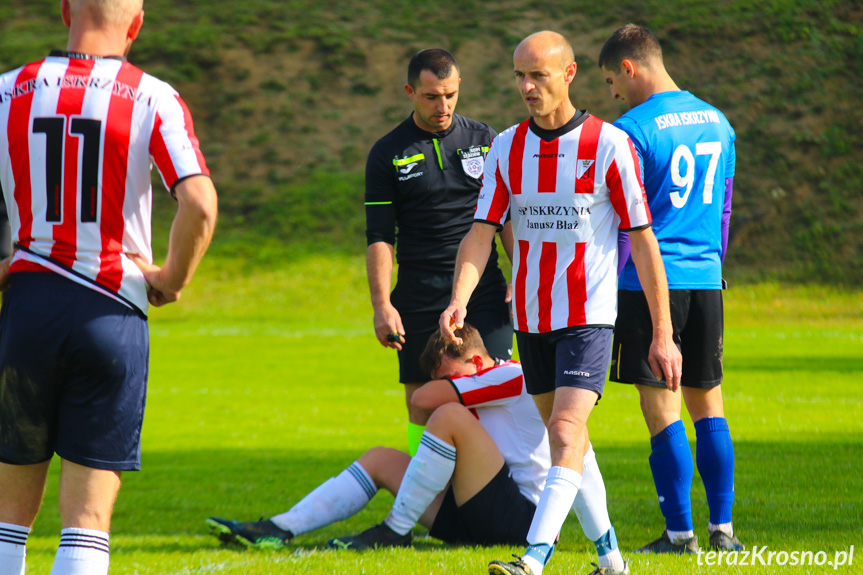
column 82, row 56
column 551, row 135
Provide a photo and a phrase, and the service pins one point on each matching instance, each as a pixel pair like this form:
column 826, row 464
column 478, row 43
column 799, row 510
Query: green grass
column 266, row 382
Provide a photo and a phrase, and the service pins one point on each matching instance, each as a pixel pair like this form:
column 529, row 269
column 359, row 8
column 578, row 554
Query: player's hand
column 452, row 319
column 5, row 276
column 666, row 362
column 508, row 297
column 158, row 292
column 388, row 326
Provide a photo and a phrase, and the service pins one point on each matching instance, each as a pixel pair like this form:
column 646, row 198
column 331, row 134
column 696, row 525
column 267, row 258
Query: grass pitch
column 264, row 383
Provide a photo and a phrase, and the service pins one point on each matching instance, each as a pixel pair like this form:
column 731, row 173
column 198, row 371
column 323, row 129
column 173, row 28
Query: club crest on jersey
column 473, row 160
column 584, row 169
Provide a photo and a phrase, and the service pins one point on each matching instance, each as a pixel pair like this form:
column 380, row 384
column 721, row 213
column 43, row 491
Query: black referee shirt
column 425, row 185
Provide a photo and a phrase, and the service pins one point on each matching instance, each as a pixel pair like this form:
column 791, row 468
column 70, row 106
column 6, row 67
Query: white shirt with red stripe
column 567, row 197
column 77, row 136
column 498, row 398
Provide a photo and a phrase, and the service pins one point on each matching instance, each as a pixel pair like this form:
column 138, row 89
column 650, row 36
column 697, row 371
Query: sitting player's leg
column 591, row 508
column 672, row 467
column 20, row 499
column 454, row 447
column 335, row 499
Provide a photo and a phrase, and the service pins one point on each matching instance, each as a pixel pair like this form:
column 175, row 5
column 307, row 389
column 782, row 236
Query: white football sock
column 81, row 552
column 724, row 527
column 337, row 498
column 678, row 537
column 535, row 566
column 427, row 475
column 13, row 551
column 556, row 499
column 591, row 508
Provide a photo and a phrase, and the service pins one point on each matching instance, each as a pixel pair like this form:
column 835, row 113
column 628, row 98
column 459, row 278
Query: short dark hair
column 630, row 42
column 439, row 346
column 437, row 61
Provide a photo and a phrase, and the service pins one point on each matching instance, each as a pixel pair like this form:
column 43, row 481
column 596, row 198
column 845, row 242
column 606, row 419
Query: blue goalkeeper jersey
column 686, row 147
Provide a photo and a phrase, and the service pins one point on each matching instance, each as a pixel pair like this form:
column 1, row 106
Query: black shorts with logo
column 73, row 375
column 420, row 298
column 697, row 319
column 498, row 515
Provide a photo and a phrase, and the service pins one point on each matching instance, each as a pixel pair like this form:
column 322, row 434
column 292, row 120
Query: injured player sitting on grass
column 475, row 479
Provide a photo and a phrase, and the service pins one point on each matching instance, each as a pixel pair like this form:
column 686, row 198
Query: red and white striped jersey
column 499, row 399
column 77, row 135
column 567, row 196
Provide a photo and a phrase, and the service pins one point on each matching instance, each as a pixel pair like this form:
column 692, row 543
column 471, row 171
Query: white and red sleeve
column 493, row 203
column 623, row 178
column 174, row 147
column 498, row 385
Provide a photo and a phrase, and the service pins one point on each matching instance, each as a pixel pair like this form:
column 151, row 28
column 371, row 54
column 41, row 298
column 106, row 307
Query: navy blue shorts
column 498, row 515
column 73, row 375
column 570, row 357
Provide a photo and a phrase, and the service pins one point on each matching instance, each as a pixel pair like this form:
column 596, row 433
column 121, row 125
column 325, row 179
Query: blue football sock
column 714, row 453
column 541, row 553
column 671, row 463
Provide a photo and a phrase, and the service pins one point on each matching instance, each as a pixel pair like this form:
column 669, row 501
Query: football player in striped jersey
column 78, row 131
column 569, row 181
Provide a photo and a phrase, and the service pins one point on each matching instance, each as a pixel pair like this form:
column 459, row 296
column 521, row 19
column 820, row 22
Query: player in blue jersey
column 686, row 148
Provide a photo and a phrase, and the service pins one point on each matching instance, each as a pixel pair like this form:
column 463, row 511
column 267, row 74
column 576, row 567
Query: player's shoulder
column 507, row 369
column 158, row 87
column 11, row 75
column 470, row 125
column 397, row 139
column 508, row 134
column 610, row 134
column 8, row 79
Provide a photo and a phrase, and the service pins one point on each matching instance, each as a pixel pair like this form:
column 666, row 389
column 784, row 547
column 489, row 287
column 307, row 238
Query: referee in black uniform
column 423, row 179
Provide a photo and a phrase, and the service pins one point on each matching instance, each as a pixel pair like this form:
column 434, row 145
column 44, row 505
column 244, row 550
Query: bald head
column 106, row 12
column 544, row 67
column 549, row 47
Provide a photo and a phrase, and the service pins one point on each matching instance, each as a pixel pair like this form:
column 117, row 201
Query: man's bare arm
column 191, row 233
column 472, row 257
column 664, row 357
column 379, row 268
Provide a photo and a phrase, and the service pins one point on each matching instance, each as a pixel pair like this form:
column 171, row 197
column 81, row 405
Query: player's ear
column 628, row 66
column 569, row 72
column 409, row 90
column 66, row 13
column 477, row 361
column 135, row 26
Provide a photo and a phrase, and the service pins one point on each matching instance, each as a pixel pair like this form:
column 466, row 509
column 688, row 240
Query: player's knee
column 448, row 419
column 565, row 434
column 448, row 412
column 375, row 461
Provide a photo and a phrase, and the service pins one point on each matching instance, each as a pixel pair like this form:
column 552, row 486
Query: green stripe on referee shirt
column 406, row 161
column 378, row 203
